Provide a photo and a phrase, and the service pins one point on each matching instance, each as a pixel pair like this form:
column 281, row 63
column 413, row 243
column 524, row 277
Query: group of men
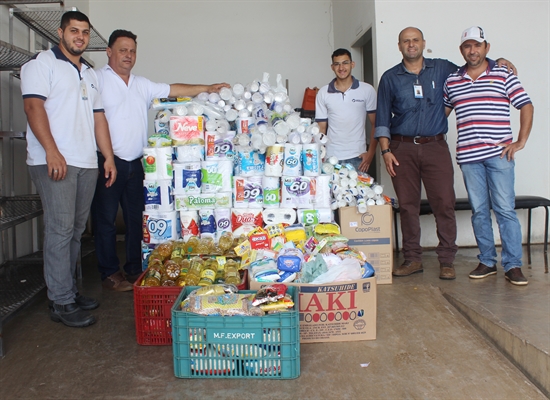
column 87, row 129
column 410, row 118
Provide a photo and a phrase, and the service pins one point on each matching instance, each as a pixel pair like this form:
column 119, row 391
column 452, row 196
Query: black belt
column 418, row 139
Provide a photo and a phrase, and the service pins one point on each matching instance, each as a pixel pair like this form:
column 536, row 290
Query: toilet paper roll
column 244, row 125
column 187, row 177
column 244, row 221
column 203, row 200
column 216, row 176
column 248, row 191
column 311, row 159
column 292, row 160
column 189, row 153
column 322, row 191
column 207, row 223
column 223, row 221
column 272, row 191
column 218, row 146
column 274, row 158
column 185, row 130
column 314, row 217
column 159, row 226
column 297, row 192
column 158, row 195
column 189, row 222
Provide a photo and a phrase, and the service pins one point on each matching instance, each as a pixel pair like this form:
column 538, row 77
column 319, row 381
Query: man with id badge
column 66, row 125
column 411, row 128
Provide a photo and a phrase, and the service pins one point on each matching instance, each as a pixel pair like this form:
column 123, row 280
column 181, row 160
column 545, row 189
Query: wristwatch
column 385, row 151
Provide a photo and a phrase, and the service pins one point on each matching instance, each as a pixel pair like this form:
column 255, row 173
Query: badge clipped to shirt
column 83, row 90
column 418, row 94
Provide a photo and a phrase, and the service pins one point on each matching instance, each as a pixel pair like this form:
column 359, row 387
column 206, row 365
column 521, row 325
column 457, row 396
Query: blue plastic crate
column 265, row 347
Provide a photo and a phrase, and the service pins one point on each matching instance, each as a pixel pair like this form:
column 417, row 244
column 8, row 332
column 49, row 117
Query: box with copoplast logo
column 335, row 312
column 371, row 232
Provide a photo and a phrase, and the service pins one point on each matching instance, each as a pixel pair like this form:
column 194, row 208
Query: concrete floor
column 425, row 347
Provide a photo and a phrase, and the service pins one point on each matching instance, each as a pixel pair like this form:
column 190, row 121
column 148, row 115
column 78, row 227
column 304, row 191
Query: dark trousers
column 431, row 165
column 128, row 192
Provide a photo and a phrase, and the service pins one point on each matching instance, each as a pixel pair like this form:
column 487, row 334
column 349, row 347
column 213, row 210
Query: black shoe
column 482, row 271
column 515, row 276
column 71, row 315
column 86, row 303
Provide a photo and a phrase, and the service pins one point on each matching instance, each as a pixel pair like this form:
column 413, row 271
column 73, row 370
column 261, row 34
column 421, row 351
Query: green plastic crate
column 265, row 347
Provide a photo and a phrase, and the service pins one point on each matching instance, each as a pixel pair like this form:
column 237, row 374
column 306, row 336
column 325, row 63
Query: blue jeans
column 490, row 184
column 355, row 161
column 66, row 205
column 128, row 191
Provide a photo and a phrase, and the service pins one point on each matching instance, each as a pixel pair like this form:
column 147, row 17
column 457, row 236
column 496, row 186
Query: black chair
column 462, row 204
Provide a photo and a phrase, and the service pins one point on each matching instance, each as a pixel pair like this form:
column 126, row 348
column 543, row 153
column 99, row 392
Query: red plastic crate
column 153, row 311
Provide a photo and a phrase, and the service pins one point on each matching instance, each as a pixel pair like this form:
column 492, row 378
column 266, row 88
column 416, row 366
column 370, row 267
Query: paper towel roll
column 279, row 216
column 249, row 162
column 160, row 226
column 164, row 162
column 272, row 191
column 314, row 217
column 149, row 162
column 311, row 159
column 189, row 153
column 322, row 191
column 189, row 222
column 216, row 176
column 157, row 195
column 292, row 161
column 187, row 177
column 274, row 158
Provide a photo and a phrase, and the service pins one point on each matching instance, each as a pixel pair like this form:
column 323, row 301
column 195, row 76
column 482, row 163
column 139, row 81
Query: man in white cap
column 480, row 93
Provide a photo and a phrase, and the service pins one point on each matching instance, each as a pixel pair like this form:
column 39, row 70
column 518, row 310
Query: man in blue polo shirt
column 126, row 99
column 480, row 93
column 341, row 110
column 66, row 124
column 411, row 128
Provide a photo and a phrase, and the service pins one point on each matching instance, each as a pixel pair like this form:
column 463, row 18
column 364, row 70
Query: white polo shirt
column 70, row 99
column 345, row 114
column 126, row 110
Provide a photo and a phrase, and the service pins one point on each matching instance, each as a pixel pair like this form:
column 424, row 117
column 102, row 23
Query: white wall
column 518, row 31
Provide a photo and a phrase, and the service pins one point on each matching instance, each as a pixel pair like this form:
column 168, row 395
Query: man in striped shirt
column 480, row 93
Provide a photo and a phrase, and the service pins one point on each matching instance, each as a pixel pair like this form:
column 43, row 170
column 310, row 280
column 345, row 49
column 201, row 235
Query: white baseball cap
column 473, row 33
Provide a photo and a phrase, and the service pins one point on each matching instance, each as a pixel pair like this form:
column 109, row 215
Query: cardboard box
column 335, row 312
column 371, row 233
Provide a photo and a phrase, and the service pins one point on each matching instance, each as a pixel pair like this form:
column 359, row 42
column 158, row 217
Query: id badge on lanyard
column 418, row 93
column 83, row 90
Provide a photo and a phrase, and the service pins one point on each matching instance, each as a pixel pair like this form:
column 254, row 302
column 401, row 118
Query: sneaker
column 117, row 282
column 482, row 271
column 515, row 276
column 408, row 268
column 71, row 315
column 86, row 303
column 447, row 271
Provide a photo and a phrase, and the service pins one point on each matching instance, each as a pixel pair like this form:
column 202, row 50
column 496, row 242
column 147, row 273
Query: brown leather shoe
column 447, row 271
column 482, row 271
column 408, row 268
column 515, row 277
column 117, row 282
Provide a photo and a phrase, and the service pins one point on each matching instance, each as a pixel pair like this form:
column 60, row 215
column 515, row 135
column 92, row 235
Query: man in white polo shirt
column 341, row 109
column 126, row 99
column 66, row 124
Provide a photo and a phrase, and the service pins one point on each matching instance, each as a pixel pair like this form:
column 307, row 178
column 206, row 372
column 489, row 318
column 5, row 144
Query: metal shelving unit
column 12, row 57
column 45, row 21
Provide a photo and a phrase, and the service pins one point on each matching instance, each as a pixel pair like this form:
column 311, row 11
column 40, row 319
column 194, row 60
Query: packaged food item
column 228, row 304
column 171, row 269
column 152, row 277
column 232, row 273
column 259, row 241
column 282, row 304
column 184, row 268
column 192, row 245
column 329, row 228
column 205, row 245
column 269, row 293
